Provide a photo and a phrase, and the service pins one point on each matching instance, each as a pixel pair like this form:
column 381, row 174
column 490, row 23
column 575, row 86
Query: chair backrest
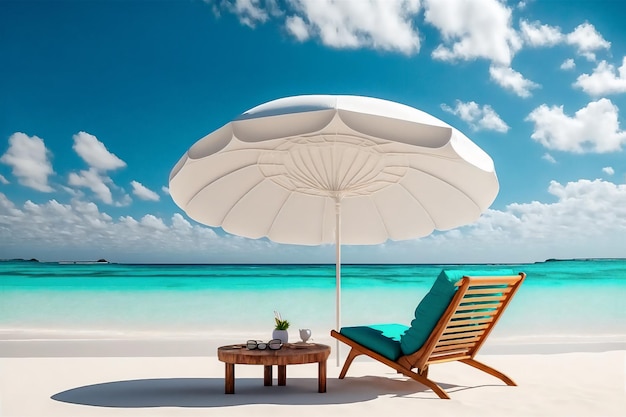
column 467, row 322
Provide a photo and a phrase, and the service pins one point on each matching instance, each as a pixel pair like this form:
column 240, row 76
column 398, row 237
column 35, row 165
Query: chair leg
column 489, row 370
column 421, row 378
column 353, row 354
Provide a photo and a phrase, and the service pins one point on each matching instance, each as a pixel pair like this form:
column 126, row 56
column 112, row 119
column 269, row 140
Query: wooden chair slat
column 464, row 314
column 459, row 335
column 443, row 342
column 460, row 346
column 478, row 306
column 486, row 291
column 495, row 280
column 463, row 329
column 492, row 298
column 448, row 358
column 476, row 321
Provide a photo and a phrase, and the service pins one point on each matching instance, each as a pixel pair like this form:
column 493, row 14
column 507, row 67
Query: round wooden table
column 289, row 354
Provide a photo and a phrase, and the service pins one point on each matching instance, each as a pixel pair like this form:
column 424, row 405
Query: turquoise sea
column 560, row 301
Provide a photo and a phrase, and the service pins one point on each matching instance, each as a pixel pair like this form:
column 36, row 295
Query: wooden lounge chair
column 476, row 305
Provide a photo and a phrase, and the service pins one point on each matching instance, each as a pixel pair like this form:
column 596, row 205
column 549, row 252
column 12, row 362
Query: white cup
column 305, row 334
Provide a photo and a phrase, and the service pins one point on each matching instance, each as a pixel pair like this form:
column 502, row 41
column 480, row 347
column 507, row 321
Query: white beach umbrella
column 319, row 169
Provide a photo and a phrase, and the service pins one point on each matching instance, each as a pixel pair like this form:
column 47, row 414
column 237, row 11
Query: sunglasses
column 273, row 344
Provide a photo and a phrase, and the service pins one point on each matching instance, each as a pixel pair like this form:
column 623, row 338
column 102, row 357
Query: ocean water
column 561, row 301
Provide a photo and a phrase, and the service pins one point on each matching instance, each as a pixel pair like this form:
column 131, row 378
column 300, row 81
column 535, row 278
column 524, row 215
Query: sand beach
column 145, row 378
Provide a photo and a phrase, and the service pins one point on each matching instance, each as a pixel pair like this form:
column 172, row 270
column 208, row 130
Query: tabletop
column 288, row 354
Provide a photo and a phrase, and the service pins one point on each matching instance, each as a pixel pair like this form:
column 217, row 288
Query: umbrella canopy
column 320, row 169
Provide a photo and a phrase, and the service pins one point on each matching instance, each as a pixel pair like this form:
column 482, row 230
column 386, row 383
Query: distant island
column 580, row 259
column 19, row 260
column 99, row 261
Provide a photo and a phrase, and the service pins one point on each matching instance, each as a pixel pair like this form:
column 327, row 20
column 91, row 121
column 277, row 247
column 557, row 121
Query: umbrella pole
column 338, row 270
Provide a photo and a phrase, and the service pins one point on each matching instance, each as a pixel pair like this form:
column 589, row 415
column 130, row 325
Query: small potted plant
column 280, row 329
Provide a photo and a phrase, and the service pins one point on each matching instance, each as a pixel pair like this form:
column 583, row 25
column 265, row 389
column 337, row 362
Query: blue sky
column 99, row 100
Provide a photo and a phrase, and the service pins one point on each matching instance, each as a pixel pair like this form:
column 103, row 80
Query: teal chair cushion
column 432, row 306
column 383, row 339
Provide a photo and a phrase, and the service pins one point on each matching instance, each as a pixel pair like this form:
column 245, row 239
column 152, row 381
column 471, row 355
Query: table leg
column 267, row 375
column 321, row 377
column 282, row 375
column 229, row 380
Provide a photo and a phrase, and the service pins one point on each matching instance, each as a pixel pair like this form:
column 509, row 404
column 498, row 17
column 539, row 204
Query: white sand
column 588, row 383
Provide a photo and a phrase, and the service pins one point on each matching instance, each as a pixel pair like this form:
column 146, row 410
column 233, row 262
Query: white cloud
column 482, row 29
column 3, row 180
column 608, row 170
column 378, row 24
column 583, row 209
column 8, row 212
column 29, row 159
column 479, row 118
column 100, row 160
column 568, row 64
column 79, row 230
column 153, row 222
column 92, row 180
column 73, row 192
column 588, row 219
column 298, row 28
column 165, row 190
column 546, row 156
column 594, row 128
column 94, row 153
column 605, row 79
column 180, row 223
column 123, row 201
column 249, row 12
column 587, row 40
column 536, row 34
column 143, row 192
column 473, row 29
column 512, row 80
column 470, row 29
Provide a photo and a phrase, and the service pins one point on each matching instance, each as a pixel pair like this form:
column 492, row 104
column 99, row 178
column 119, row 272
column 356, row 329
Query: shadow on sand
column 209, row 392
